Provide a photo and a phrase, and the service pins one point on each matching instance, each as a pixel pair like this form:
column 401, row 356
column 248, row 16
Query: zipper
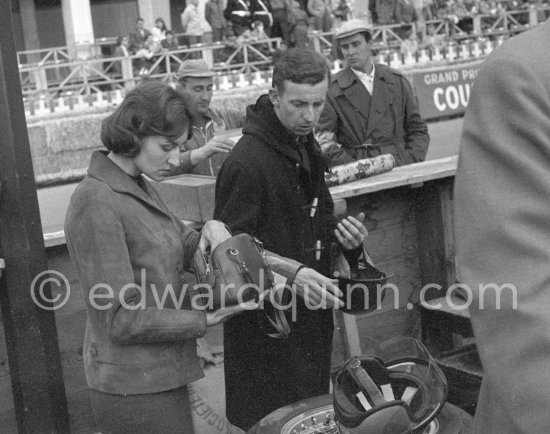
column 203, row 135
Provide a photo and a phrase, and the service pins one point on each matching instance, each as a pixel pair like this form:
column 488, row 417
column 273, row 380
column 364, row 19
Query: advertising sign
column 444, row 91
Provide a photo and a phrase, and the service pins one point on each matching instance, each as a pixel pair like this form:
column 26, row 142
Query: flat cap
column 194, row 68
column 352, row 27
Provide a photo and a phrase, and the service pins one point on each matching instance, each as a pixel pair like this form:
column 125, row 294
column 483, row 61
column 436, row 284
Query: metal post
column 31, row 336
column 477, row 25
column 533, row 16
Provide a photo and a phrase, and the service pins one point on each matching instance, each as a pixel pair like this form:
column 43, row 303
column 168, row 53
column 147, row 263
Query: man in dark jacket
column 213, row 13
column 237, row 12
column 138, row 37
column 272, row 186
column 371, row 109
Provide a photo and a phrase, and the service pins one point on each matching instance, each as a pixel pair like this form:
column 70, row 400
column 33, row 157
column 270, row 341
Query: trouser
column 263, row 374
column 280, row 27
column 193, row 39
column 217, row 34
column 323, row 23
column 162, row 412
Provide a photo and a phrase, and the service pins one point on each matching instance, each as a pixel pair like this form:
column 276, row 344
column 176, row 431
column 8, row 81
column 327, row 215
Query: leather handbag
column 235, row 272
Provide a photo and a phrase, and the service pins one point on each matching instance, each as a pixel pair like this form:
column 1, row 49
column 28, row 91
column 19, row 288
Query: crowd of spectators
column 234, row 22
column 409, row 11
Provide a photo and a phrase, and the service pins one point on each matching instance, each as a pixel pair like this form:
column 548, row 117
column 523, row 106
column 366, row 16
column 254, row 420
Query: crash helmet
column 396, row 389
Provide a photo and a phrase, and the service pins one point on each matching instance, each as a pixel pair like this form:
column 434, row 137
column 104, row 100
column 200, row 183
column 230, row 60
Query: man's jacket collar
column 382, row 96
column 346, row 77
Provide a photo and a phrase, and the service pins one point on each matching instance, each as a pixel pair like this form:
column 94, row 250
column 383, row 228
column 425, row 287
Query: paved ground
column 445, row 138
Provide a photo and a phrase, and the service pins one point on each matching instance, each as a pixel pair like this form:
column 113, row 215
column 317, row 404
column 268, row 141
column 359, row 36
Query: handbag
column 237, row 271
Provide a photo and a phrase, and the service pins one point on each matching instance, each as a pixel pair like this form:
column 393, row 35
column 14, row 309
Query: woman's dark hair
column 150, row 109
column 299, row 65
column 163, row 23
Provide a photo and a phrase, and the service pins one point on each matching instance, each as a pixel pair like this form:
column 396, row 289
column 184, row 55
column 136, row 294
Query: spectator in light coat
column 159, row 31
column 371, row 109
column 190, row 21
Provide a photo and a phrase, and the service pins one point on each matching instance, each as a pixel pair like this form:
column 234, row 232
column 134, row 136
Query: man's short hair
column 300, row 65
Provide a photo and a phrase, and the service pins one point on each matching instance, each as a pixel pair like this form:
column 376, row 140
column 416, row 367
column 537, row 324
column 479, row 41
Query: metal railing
column 509, row 22
column 99, row 92
column 505, row 23
column 51, row 79
column 59, row 75
column 80, row 51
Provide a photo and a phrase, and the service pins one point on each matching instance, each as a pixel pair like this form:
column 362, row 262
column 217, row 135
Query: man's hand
column 213, row 233
column 215, row 145
column 316, row 289
column 351, row 232
column 341, row 266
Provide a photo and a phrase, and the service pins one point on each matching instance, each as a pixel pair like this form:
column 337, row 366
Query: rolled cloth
column 359, row 169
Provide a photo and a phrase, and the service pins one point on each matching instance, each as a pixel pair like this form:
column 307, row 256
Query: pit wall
column 61, row 145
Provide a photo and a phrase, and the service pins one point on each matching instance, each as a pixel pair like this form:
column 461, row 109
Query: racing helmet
column 398, row 389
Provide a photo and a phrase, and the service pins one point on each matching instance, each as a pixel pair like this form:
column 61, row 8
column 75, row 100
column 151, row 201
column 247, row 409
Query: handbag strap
column 280, row 323
column 236, row 257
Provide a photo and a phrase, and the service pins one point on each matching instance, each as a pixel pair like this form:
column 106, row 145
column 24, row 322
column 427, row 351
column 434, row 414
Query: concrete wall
column 64, row 144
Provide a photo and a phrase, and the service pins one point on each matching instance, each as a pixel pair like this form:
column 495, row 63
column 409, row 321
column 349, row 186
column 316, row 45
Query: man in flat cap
column 204, row 153
column 371, row 108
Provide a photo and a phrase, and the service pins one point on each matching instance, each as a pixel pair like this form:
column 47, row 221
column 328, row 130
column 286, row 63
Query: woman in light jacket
column 130, row 254
column 159, row 31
